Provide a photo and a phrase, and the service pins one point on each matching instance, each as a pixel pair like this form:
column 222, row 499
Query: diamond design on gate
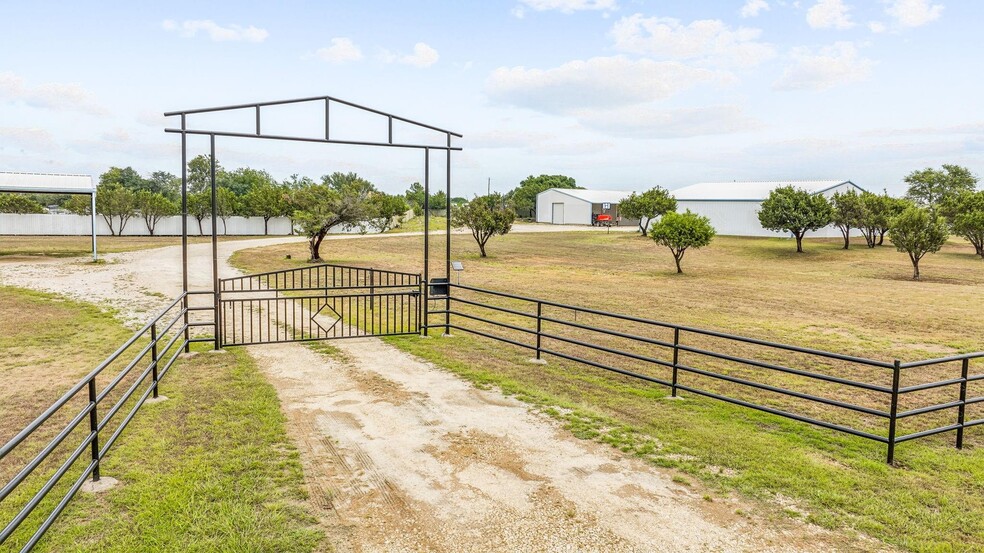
column 326, row 318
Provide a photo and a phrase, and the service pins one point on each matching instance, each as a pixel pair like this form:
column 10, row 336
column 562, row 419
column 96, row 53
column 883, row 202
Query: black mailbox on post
column 438, row 287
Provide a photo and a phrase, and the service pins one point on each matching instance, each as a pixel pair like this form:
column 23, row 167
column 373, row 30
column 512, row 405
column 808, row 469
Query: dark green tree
column 200, row 171
column 153, row 207
column 19, row 203
column 341, row 199
column 267, row 200
column 164, row 183
column 652, row 203
column 523, row 197
column 918, row 231
column 200, row 207
column 682, row 231
column 244, row 179
column 117, row 205
column 126, row 177
column 485, row 217
column 386, row 209
column 966, row 215
column 848, row 213
column 227, row 205
column 795, row 211
column 932, row 187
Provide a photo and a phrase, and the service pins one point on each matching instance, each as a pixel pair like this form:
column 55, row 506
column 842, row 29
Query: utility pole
column 488, row 191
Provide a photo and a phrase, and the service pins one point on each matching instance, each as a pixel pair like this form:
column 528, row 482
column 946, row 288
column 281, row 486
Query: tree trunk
column 315, row 246
column 799, row 243
column 915, row 270
column 846, row 231
column 881, row 237
column 677, row 256
column 481, row 248
column 644, row 225
column 200, row 231
column 266, row 222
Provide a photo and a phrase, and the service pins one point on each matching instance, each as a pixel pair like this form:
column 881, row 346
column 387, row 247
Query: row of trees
column 123, row 195
column 938, row 204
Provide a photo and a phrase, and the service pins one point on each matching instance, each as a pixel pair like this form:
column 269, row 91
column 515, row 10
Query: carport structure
column 51, row 183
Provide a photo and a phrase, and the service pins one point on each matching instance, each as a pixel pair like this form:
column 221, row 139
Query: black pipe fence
column 35, row 460
column 317, row 302
column 851, row 394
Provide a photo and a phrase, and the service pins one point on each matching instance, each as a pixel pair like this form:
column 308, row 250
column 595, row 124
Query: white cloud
column 341, row 50
column 54, row 96
column 647, row 122
column 501, row 138
column 708, row 39
column 422, row 56
column 216, row 32
column 601, row 82
column 753, row 7
column 877, row 27
column 563, row 6
column 914, row 13
column 829, row 14
column 818, row 70
column 26, row 138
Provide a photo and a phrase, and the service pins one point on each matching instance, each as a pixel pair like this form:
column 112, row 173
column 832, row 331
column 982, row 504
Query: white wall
column 734, row 218
column 576, row 212
column 738, row 218
column 79, row 225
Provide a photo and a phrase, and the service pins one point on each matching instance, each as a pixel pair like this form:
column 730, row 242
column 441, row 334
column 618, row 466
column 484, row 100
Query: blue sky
column 620, row 94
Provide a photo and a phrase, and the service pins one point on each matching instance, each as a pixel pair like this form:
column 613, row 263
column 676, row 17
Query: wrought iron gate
column 319, row 302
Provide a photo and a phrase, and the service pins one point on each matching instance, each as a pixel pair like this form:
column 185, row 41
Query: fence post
column 426, row 308
column 372, row 289
column 539, row 327
column 94, row 429
column 965, row 367
column 893, row 414
column 676, row 359
column 153, row 355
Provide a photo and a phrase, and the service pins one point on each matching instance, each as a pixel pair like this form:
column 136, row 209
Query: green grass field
column 858, row 302
column 211, row 469
column 417, row 225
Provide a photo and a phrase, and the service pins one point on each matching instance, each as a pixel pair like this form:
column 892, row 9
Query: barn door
column 557, row 214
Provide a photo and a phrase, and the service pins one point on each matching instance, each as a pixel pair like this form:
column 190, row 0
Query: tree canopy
column 153, row 207
column 652, row 203
column 966, row 215
column 933, row 187
column 682, row 231
column 485, row 217
column 523, row 197
column 341, row 199
column 795, row 211
column 918, row 231
column 267, row 200
column 848, row 213
column 19, row 203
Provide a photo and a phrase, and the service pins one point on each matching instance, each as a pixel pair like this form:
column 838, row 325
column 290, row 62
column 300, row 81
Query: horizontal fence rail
column 95, row 411
column 723, row 366
column 318, row 302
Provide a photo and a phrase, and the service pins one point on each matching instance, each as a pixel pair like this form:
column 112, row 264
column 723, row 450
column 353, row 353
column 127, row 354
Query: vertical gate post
column 964, row 368
column 676, row 360
column 94, row 429
column 447, row 245
column 893, row 414
column 153, row 355
column 426, row 239
column 539, row 328
column 215, row 246
column 184, row 231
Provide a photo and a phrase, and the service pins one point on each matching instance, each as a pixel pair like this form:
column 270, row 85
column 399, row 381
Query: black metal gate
column 319, row 302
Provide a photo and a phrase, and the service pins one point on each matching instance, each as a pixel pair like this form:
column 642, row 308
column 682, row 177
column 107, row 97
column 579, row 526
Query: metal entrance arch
column 328, row 313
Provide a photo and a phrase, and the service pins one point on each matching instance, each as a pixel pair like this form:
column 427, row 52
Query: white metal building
column 562, row 206
column 733, row 207
column 45, row 183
